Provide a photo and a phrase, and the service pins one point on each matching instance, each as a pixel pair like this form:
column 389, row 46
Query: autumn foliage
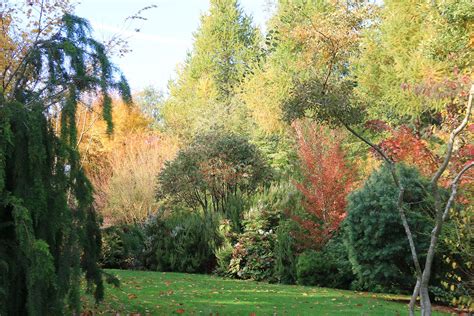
column 327, row 180
column 122, row 167
column 403, row 145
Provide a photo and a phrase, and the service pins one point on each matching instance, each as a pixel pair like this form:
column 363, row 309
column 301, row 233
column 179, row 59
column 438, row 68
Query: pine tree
column 49, row 232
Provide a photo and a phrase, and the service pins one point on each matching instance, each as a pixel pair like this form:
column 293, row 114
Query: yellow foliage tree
column 122, row 166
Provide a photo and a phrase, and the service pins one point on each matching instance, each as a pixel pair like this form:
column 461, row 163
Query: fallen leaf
column 180, row 311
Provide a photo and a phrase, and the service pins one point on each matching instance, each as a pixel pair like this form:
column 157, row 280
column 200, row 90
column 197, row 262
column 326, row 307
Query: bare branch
column 408, row 232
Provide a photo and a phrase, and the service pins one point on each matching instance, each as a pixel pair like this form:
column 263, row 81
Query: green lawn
column 157, row 293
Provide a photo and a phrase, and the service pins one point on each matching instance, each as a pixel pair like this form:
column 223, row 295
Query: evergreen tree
column 49, row 232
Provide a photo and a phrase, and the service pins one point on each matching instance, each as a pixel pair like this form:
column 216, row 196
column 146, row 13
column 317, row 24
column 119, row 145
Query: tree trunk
column 414, row 296
column 425, row 300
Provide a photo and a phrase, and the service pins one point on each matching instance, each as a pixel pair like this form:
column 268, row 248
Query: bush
column 329, row 267
column 122, row 247
column 285, row 253
column 183, row 241
column 309, row 267
column 213, row 170
column 377, row 245
column 224, row 252
column 340, row 268
column 224, row 257
column 257, row 251
column 457, row 245
column 252, row 256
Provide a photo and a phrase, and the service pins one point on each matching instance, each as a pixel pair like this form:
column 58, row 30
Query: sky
column 163, row 40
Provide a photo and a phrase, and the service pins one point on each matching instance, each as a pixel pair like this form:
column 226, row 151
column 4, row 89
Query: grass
column 157, row 293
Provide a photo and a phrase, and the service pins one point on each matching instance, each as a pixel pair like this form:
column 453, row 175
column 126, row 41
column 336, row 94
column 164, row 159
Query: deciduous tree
column 202, row 97
column 327, row 180
column 329, row 96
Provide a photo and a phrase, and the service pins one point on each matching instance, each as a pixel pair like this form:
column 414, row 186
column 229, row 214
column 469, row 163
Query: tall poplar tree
column 49, row 232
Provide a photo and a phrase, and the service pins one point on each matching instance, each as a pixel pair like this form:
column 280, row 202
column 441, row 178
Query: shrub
column 457, row 240
column 256, row 250
column 224, row 257
column 122, row 247
column 211, row 171
column 340, row 268
column 224, row 252
column 182, row 241
column 309, row 266
column 285, row 253
column 328, row 267
column 377, row 244
column 252, row 256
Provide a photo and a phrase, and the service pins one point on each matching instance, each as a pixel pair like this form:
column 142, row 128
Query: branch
column 406, row 226
column 401, row 192
column 375, row 147
column 452, row 138
column 454, row 188
column 25, row 58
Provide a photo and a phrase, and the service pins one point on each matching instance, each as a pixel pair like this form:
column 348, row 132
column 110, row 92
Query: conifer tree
column 398, row 56
column 49, row 232
column 225, row 46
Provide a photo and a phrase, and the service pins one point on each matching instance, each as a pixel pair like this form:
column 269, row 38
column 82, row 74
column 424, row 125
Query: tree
column 213, row 172
column 150, row 101
column 49, row 231
column 131, row 189
column 122, row 167
column 396, row 54
column 202, row 97
column 375, row 238
column 327, row 180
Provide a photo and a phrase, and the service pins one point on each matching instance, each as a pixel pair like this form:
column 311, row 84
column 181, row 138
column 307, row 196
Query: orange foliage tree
column 327, row 180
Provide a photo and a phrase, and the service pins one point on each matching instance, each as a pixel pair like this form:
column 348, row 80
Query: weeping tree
column 49, row 232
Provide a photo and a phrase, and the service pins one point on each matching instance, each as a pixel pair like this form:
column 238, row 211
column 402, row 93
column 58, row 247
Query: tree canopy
column 225, row 47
